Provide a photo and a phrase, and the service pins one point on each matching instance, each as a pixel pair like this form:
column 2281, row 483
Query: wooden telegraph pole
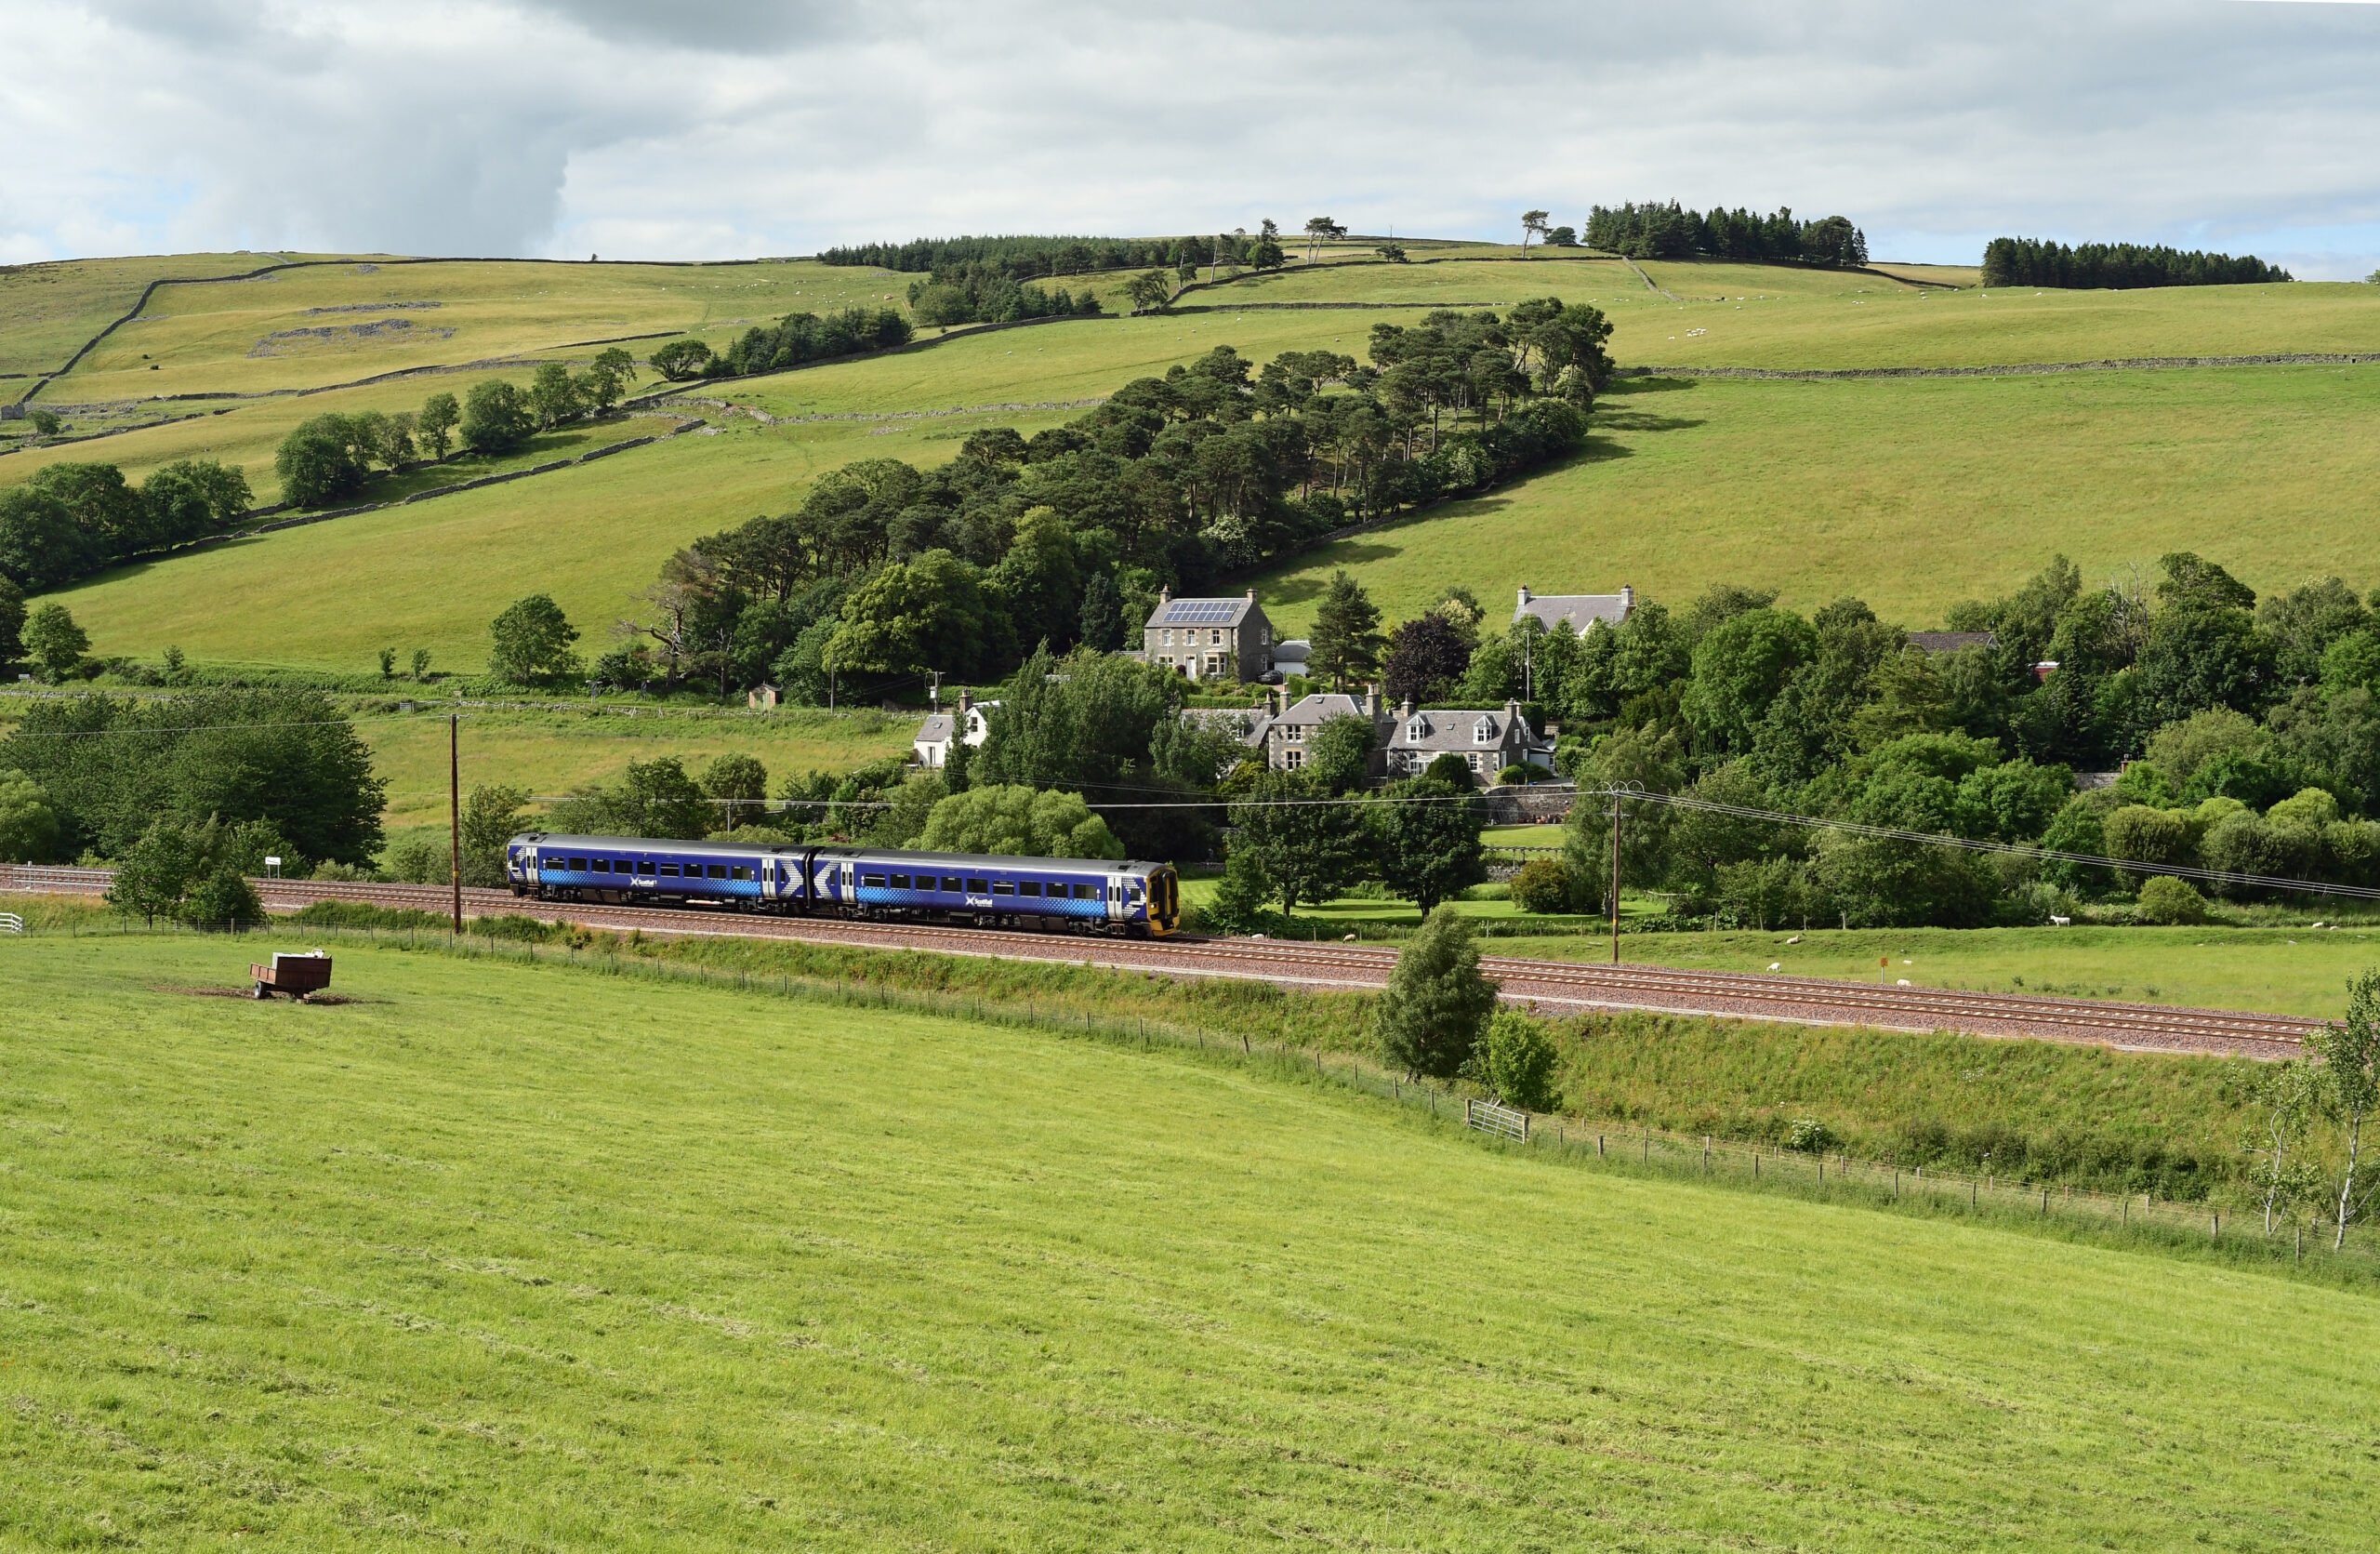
column 1614, row 876
column 454, row 809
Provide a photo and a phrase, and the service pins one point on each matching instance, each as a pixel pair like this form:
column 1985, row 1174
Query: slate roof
column 1323, row 705
column 1575, row 611
column 1445, row 730
column 937, row 729
column 1951, row 642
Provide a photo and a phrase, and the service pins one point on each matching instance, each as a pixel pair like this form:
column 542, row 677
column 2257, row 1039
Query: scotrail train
column 1084, row 895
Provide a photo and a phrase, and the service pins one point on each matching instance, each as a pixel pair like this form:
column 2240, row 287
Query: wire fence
column 1631, row 1147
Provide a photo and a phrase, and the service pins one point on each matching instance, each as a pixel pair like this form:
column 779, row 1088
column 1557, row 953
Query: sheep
column 2058, row 921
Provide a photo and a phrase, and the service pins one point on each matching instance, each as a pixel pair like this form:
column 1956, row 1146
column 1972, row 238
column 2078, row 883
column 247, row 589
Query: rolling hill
column 1911, row 492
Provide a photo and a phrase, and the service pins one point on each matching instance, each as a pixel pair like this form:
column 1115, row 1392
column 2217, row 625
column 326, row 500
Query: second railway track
column 1557, row 983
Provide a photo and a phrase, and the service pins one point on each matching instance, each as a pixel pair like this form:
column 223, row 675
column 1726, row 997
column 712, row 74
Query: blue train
column 1084, row 895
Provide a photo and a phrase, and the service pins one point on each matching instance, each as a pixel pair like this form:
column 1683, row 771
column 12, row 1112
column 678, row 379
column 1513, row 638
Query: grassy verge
column 503, row 1253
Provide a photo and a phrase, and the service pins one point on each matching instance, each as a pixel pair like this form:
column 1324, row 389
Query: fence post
column 1598, row 1146
column 1896, row 1184
column 1706, row 1154
column 2044, row 1200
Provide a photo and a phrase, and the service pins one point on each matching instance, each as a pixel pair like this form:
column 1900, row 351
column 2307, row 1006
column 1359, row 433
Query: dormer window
column 1484, row 732
column 1416, row 731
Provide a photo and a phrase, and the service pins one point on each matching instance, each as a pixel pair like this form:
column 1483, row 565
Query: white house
column 933, row 743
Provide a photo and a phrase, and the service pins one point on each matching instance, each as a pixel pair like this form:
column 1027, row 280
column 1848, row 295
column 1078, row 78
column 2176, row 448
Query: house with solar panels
column 1210, row 639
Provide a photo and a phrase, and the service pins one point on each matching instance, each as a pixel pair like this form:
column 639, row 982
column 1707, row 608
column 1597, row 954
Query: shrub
column 1542, row 885
column 221, row 899
column 1810, row 1135
column 2167, row 900
column 417, row 860
column 1518, row 1062
column 1242, row 902
column 1516, row 775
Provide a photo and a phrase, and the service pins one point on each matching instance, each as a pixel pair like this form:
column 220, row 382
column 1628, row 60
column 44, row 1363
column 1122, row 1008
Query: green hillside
column 1911, row 493
column 540, row 1257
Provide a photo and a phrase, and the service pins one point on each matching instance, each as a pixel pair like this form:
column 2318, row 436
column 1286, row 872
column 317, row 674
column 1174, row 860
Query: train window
column 952, row 885
column 1028, row 887
column 603, row 865
column 740, row 872
column 1001, row 887
column 1086, row 893
column 670, row 869
column 716, row 871
column 900, row 882
column 1136, row 890
column 873, row 881
column 578, row 865
column 978, row 886
column 644, row 867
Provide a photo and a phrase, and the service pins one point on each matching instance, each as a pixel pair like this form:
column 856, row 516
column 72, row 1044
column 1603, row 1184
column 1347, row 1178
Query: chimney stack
column 1371, row 701
column 1164, row 594
column 1406, row 711
column 1251, row 596
column 1523, row 596
column 1627, row 601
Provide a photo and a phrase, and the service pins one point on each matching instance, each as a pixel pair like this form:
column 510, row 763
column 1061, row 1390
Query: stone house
column 1488, row 740
column 1210, row 639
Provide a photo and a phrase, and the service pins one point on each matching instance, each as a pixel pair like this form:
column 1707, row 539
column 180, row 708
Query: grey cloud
column 567, row 125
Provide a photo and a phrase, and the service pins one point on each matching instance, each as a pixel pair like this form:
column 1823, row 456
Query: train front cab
column 1165, row 901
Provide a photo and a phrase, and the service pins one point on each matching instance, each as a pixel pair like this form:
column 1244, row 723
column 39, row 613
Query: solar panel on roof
column 1191, row 611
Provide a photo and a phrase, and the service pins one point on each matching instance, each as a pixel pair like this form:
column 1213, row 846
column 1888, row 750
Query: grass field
column 553, row 754
column 242, row 337
column 49, row 310
column 434, row 575
column 534, row 1257
column 1910, row 493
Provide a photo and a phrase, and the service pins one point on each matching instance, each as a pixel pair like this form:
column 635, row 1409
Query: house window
column 1169, row 637
column 1293, row 759
column 1484, row 732
column 1214, row 639
column 1293, row 732
column 1415, row 730
column 1473, row 759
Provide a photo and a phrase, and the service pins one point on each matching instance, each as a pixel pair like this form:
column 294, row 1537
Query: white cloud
column 569, row 126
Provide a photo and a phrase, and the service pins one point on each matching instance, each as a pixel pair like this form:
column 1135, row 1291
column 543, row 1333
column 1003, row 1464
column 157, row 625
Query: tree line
column 977, row 292
column 791, row 340
column 2250, row 728
column 69, row 521
column 1657, row 230
column 1018, row 259
column 2116, row 266
column 886, row 571
column 225, row 779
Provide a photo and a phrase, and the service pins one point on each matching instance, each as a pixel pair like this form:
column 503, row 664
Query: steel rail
column 1658, row 989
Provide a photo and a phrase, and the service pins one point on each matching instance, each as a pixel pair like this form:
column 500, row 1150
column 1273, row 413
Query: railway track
column 1563, row 985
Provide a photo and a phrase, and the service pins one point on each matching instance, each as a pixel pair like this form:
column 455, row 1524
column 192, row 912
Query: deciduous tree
column 1430, row 1016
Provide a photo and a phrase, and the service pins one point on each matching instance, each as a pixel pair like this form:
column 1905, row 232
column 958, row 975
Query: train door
column 1115, row 901
column 850, row 873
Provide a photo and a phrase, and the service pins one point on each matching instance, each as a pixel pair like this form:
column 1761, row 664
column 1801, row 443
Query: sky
column 746, row 127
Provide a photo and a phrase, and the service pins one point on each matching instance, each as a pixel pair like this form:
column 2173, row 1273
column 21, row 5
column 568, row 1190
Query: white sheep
column 2060, row 922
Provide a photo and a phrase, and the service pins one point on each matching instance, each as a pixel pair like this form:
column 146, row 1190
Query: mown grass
column 1910, row 493
column 200, row 339
column 535, row 1256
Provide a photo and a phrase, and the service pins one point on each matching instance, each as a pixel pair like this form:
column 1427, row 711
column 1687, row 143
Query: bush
column 1810, row 1135
column 221, row 899
column 1242, row 902
column 419, row 862
column 1542, row 885
column 1429, row 1017
column 2169, row 901
column 1518, row 1060
column 1516, row 775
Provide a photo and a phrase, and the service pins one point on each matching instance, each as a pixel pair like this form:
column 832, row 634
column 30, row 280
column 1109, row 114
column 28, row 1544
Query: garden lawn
column 1911, row 493
column 534, row 1257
